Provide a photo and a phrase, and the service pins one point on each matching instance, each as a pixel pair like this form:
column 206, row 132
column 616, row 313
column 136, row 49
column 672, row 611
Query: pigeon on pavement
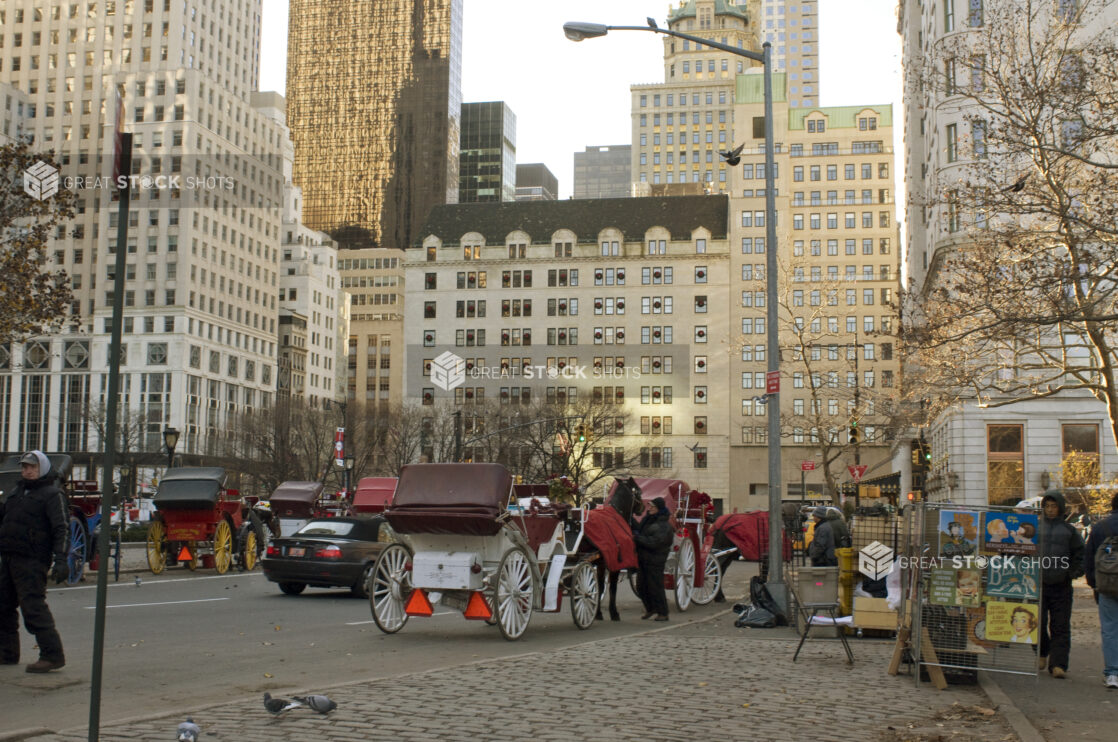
column 319, row 703
column 189, row 731
column 279, row 705
column 138, row 580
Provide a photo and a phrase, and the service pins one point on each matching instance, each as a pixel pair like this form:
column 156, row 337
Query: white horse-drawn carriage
column 457, row 543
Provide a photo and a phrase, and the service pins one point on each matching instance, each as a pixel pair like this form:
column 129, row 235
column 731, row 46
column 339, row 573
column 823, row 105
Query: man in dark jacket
column 653, row 538
column 1108, row 604
column 839, row 528
column 33, row 530
column 821, row 550
column 1061, row 562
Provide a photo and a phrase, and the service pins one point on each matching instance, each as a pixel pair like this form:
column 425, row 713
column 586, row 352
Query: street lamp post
column 123, row 490
column 170, row 440
column 348, row 473
column 578, row 31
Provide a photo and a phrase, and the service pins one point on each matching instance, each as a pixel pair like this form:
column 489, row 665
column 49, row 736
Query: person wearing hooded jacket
column 1061, row 551
column 33, row 530
column 821, row 550
column 839, row 528
column 653, row 538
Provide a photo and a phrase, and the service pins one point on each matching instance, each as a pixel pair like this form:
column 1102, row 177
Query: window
column 978, row 139
column 952, row 142
column 1005, row 464
column 948, row 20
column 949, row 77
column 974, row 17
column 1081, row 444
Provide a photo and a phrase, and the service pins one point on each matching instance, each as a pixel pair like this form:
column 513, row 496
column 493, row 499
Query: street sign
column 856, row 471
column 772, row 382
column 807, row 466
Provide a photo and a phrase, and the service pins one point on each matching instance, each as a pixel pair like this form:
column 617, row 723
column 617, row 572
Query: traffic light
column 580, row 433
column 855, row 434
column 917, row 454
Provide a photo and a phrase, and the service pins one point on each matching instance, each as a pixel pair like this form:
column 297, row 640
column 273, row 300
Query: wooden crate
column 874, row 613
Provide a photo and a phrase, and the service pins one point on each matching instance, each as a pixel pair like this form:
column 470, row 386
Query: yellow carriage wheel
column 248, row 555
column 157, row 557
column 223, row 547
column 194, row 561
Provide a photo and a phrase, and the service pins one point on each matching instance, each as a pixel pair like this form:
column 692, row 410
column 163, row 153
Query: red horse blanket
column 749, row 532
column 613, row 537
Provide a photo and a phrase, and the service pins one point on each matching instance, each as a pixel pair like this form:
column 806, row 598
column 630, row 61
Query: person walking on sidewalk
column 1062, row 561
column 33, row 529
column 821, row 550
column 1102, row 585
column 653, row 538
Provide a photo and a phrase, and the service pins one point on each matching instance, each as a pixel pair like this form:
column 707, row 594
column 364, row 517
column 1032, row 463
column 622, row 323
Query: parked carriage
column 198, row 521
column 690, row 519
column 293, row 505
column 373, row 495
column 84, row 500
column 458, row 544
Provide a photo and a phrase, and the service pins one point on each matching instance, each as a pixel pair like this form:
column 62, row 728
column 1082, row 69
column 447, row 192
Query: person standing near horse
column 33, row 530
column 821, row 550
column 653, row 537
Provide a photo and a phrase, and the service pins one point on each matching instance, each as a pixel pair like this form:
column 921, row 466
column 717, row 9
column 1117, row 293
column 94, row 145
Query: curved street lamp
column 579, row 31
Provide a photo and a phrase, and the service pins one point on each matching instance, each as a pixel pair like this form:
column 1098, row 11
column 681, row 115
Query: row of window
column 849, row 197
column 650, row 275
column 850, row 220
column 851, row 274
column 815, row 172
column 681, row 99
column 815, row 297
column 851, row 247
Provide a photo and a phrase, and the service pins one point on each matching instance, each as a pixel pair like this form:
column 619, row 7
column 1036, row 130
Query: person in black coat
column 1062, row 549
column 33, row 530
column 653, row 538
column 821, row 550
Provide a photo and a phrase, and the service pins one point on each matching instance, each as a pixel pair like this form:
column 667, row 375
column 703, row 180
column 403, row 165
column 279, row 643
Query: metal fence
column 972, row 578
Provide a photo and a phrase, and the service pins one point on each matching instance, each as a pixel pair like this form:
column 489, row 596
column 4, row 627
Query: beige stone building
column 837, row 250
column 605, row 285
column 373, row 281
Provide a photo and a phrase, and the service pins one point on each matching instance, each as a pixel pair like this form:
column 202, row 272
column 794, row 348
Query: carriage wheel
column 157, row 556
column 194, row 561
column 712, row 581
column 515, row 594
column 75, row 556
column 223, row 547
column 389, row 588
column 584, row 594
column 249, row 551
column 684, row 574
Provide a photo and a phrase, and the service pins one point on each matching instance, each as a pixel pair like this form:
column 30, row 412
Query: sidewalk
column 1079, row 706
column 705, row 680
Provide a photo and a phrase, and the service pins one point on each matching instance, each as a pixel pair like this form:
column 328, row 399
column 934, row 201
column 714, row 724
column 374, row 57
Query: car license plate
column 296, row 551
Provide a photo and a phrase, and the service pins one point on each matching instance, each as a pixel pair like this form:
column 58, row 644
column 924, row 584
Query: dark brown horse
column 626, row 500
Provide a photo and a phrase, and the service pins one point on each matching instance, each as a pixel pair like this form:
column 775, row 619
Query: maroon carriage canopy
column 296, row 492
column 374, row 494
column 450, row 498
column 672, row 490
column 749, row 532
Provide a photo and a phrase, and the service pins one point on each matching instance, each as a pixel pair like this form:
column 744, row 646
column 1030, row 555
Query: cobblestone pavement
column 705, row 681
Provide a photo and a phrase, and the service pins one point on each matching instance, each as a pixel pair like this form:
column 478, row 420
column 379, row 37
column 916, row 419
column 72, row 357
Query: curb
column 20, row 734
column 1016, row 718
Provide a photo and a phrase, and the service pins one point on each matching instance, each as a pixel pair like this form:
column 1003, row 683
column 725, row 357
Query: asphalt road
column 181, row 641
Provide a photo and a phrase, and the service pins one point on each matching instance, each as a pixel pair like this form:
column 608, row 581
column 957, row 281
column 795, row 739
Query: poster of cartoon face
column 958, row 533
column 968, row 587
column 1011, row 622
column 1009, row 533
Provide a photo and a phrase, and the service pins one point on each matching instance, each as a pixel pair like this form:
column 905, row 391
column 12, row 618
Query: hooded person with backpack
column 1062, row 561
column 1102, row 575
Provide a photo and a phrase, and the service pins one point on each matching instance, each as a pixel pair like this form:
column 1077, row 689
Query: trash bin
column 817, row 585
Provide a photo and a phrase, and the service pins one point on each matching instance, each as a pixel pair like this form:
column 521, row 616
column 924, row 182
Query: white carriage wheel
column 584, row 594
column 684, row 574
column 389, row 589
column 712, row 581
column 515, row 594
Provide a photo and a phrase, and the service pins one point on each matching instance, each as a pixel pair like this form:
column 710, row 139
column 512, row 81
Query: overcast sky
column 569, row 95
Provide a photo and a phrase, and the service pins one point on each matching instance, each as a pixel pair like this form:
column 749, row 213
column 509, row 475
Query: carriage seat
column 538, row 523
column 458, row 499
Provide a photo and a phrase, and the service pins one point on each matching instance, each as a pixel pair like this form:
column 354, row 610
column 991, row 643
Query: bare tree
column 823, row 359
column 33, row 298
column 1022, row 303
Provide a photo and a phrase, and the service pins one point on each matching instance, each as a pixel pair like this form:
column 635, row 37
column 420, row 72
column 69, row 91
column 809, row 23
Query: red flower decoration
column 620, row 275
column 598, row 275
column 597, row 334
column 700, row 424
column 598, row 304
column 620, row 334
column 700, row 274
column 700, row 394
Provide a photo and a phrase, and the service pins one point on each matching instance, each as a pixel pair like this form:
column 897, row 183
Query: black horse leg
column 613, row 614
column 723, row 564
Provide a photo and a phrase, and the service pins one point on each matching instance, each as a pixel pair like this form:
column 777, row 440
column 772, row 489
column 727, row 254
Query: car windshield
column 326, row 528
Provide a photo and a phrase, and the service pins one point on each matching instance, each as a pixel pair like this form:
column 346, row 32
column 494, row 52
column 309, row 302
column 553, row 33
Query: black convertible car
column 326, row 552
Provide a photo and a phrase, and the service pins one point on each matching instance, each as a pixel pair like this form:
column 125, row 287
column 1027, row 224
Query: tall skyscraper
column 487, row 155
column 792, row 27
column 604, row 172
column 680, row 124
column 201, row 277
column 374, row 98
